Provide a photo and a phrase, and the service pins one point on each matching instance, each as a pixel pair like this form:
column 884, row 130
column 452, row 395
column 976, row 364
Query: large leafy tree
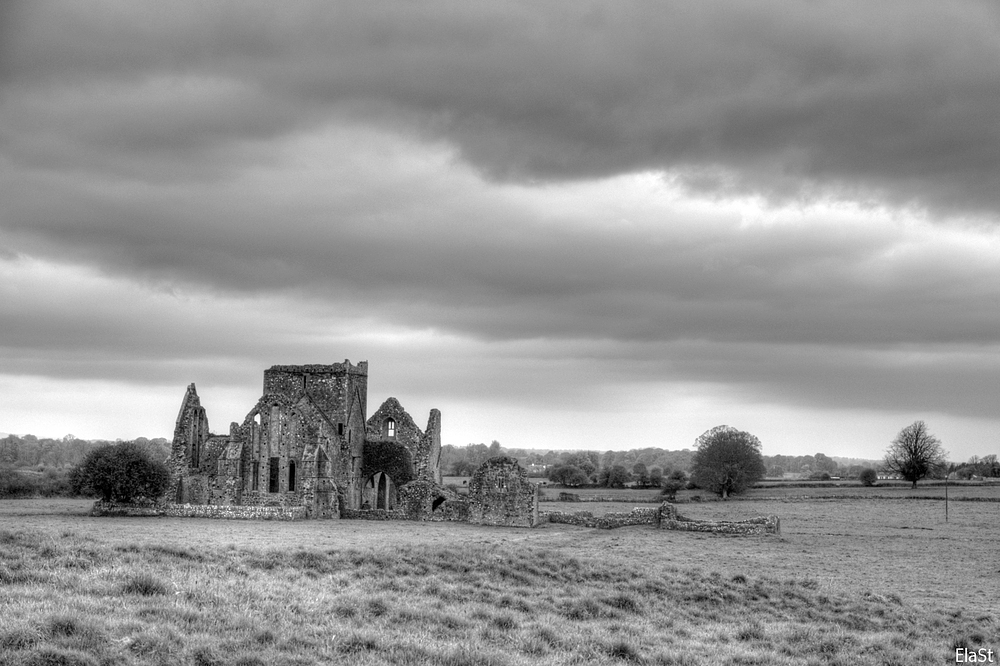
column 915, row 454
column 727, row 461
column 615, row 476
column 121, row 472
column 641, row 474
column 568, row 475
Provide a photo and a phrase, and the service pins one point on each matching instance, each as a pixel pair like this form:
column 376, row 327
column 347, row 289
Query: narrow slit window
column 291, row 475
column 390, row 428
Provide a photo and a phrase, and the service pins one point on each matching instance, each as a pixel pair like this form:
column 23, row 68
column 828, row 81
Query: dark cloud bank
column 891, row 99
column 169, row 145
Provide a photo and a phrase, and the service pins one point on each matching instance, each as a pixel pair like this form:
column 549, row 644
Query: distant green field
column 865, row 582
column 795, row 489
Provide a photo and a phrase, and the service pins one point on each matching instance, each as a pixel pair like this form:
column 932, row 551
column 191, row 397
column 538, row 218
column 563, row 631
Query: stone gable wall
column 500, row 494
column 407, row 432
column 190, row 429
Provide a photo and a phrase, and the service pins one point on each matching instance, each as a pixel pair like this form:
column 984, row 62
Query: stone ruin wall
column 229, row 512
column 190, row 435
column 500, row 494
column 753, row 526
column 427, row 453
column 424, row 445
column 420, row 498
column 424, row 500
column 665, row 517
column 313, row 403
column 644, row 516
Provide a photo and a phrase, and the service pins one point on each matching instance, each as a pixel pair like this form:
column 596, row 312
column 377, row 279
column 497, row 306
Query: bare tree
column 914, row 454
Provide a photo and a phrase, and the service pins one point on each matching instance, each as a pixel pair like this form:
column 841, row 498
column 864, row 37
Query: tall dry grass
column 74, row 600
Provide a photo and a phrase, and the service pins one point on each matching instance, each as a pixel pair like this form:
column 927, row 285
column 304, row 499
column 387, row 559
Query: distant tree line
column 41, row 467
column 32, row 466
column 68, row 451
column 672, row 470
column 984, row 467
column 647, row 467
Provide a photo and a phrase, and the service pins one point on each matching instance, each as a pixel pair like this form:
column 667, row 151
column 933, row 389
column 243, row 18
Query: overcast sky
column 566, row 225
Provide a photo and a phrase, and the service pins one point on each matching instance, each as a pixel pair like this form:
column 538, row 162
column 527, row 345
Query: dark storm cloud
column 242, row 177
column 442, row 250
column 891, row 100
column 445, row 251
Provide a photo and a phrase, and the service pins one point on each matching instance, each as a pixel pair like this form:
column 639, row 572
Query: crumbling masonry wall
column 608, row 521
column 229, row 512
column 500, row 494
column 424, row 500
column 666, row 517
column 189, row 481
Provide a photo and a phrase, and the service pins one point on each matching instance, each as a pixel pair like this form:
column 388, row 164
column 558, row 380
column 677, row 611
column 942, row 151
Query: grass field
column 849, row 582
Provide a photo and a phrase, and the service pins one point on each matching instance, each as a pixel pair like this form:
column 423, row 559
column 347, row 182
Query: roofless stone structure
column 306, row 443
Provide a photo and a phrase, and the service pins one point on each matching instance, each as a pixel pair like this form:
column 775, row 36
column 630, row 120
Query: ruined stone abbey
column 308, row 450
column 308, row 444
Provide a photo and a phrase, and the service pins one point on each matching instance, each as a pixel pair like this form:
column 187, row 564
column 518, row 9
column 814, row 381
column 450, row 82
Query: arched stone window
column 380, row 492
column 390, row 428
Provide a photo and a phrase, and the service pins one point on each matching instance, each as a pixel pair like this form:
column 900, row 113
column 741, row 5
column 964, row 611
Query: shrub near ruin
column 121, row 472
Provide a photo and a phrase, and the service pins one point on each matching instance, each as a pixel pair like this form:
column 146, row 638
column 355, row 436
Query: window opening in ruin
column 390, row 428
column 322, row 468
column 255, row 484
column 379, row 492
column 291, row 475
column 272, row 481
column 438, row 502
column 383, row 492
column 340, row 429
column 195, row 436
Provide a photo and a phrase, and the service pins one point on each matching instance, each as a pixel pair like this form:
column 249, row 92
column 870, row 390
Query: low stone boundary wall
column 666, row 517
column 373, row 514
column 574, row 497
column 762, row 525
column 228, row 511
column 607, row 521
column 132, row 510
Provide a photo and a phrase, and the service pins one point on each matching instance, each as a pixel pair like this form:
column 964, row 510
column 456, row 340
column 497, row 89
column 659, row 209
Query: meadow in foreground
column 75, row 598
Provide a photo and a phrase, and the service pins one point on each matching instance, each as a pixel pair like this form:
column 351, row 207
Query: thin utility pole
column 946, row 475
